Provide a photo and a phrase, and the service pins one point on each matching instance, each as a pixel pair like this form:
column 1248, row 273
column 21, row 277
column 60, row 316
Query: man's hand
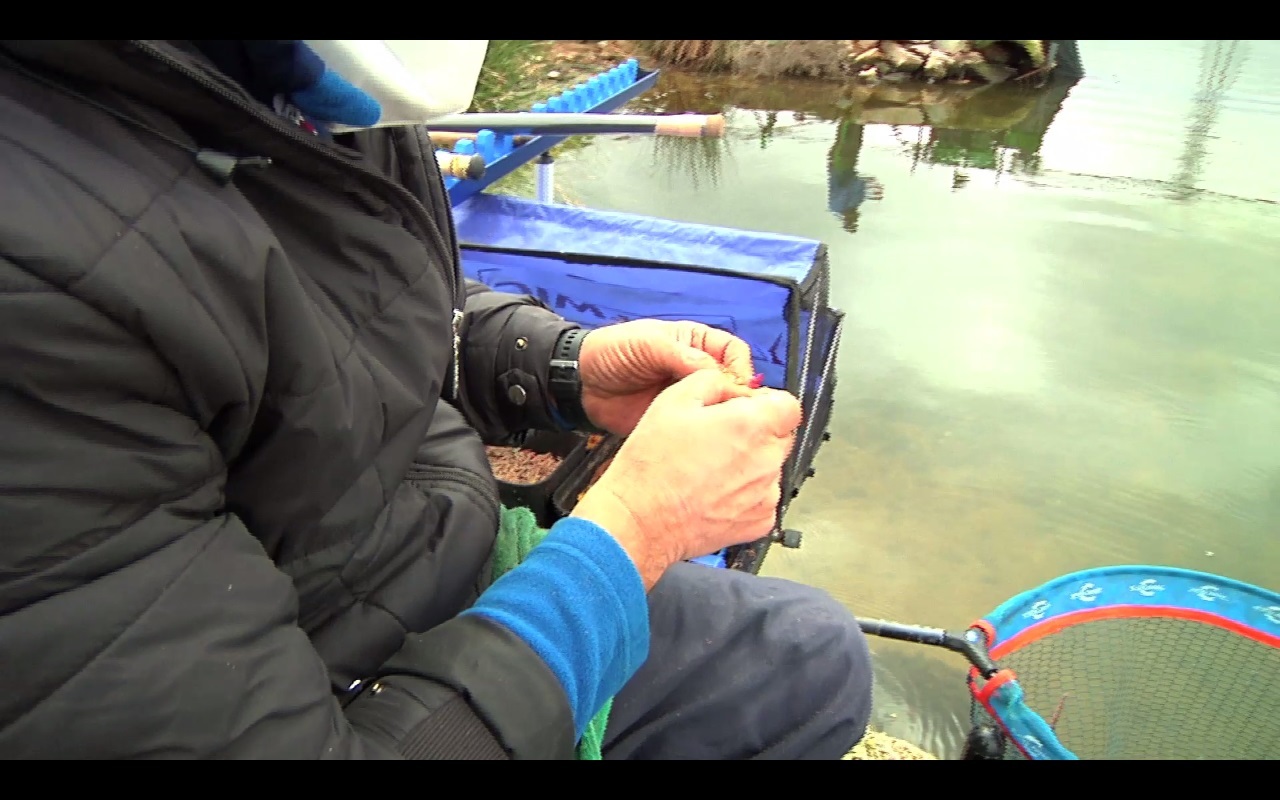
column 701, row 471
column 624, row 366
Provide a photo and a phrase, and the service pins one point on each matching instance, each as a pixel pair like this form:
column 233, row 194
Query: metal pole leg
column 545, row 178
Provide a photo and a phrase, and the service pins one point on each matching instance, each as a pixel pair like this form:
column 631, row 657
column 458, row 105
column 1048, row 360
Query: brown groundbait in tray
column 521, row 466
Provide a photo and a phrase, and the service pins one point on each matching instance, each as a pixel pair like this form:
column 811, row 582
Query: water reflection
column 692, row 162
column 846, row 188
column 1003, row 129
column 1220, row 65
column 999, row 129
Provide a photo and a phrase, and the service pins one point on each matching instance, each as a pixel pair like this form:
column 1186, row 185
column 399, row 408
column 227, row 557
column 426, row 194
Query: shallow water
column 1062, row 347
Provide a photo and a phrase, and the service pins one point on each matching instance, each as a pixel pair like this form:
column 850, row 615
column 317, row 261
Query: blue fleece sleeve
column 579, row 602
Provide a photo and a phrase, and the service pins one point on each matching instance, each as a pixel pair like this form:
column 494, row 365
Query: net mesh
column 1151, row 688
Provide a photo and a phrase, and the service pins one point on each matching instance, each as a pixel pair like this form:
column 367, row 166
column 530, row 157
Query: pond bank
column 964, row 62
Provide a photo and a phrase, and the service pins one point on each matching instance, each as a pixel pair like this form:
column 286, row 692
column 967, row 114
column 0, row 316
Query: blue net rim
column 1133, row 591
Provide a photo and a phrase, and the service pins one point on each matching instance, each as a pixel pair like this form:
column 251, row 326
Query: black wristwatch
column 565, row 381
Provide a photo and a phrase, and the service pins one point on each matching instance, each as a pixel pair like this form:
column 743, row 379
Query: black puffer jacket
column 229, row 484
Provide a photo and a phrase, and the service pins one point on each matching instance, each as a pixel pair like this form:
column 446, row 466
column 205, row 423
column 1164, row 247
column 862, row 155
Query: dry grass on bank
column 877, row 746
column 702, row 54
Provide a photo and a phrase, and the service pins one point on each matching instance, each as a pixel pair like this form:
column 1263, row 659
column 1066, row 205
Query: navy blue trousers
column 741, row 667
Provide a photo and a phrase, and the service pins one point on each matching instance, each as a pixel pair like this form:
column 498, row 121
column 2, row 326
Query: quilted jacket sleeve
column 140, row 619
column 506, row 356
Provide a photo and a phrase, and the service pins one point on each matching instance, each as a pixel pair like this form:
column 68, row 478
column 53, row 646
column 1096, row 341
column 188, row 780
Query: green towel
column 518, row 533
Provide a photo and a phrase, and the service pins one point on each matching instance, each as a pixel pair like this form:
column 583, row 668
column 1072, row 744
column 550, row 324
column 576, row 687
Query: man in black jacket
column 245, row 509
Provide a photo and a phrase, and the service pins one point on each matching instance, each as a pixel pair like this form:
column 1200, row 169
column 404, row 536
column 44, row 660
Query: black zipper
column 408, row 201
column 441, row 195
column 487, row 489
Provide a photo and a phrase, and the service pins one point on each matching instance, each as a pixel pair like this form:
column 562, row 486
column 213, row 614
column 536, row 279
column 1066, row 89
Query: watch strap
column 564, row 379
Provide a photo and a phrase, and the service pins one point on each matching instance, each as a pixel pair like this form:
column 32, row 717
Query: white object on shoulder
column 414, row 80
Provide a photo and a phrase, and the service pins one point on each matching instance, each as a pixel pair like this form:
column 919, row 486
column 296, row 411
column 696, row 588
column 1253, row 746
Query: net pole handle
column 971, row 646
column 904, row 633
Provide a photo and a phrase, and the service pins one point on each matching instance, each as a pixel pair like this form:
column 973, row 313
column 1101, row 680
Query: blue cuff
column 333, row 99
column 580, row 604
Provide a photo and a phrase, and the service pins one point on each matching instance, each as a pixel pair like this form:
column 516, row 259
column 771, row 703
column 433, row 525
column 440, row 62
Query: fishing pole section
column 533, row 123
column 467, row 167
column 449, row 132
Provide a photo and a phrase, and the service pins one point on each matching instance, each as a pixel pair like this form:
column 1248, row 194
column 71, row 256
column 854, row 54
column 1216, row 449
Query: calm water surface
column 1062, row 347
